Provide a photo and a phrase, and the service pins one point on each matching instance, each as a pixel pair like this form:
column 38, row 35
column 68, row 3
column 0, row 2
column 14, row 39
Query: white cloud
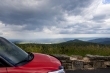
column 103, row 9
column 53, row 18
column 83, row 35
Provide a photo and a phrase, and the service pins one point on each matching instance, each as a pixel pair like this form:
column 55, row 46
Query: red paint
column 3, row 70
column 41, row 63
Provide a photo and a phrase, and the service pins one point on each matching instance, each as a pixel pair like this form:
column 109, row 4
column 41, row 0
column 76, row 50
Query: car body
column 14, row 60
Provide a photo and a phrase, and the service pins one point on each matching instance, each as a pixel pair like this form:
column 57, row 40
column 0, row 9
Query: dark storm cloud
column 100, row 18
column 39, row 13
column 82, row 29
column 73, row 6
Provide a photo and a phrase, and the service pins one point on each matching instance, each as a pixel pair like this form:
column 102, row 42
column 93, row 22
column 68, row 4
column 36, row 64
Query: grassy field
column 68, row 48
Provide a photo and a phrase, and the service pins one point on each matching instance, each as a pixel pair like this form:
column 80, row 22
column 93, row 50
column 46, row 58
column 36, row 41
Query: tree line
column 77, row 48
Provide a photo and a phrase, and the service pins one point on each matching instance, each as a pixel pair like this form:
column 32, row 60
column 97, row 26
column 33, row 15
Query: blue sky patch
column 106, row 1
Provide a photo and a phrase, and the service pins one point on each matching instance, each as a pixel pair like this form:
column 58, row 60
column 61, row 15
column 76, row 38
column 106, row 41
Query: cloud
column 1, row 33
column 52, row 17
column 35, row 14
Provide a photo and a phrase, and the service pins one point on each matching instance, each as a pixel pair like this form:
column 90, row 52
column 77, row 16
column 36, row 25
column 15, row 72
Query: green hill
column 72, row 47
column 79, row 42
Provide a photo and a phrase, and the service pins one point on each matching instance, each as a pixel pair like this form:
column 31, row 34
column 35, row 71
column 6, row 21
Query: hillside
column 78, row 42
column 72, row 47
column 101, row 41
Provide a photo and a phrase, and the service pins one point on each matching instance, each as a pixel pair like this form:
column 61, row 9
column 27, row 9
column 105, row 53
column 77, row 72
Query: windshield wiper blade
column 30, row 56
column 25, row 60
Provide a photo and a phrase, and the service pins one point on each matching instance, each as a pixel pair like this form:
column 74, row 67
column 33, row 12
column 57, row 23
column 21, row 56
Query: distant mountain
column 75, row 40
column 101, row 41
column 78, row 43
column 40, row 41
column 44, row 41
column 64, row 40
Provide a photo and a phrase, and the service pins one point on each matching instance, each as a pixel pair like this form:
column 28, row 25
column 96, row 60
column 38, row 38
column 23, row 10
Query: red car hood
column 42, row 61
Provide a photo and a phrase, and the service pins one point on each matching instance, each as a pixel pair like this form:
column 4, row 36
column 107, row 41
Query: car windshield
column 10, row 52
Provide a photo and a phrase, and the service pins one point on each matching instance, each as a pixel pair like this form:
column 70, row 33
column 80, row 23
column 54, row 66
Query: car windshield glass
column 10, row 52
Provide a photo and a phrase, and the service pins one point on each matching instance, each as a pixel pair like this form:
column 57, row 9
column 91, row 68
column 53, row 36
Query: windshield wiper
column 27, row 59
column 30, row 56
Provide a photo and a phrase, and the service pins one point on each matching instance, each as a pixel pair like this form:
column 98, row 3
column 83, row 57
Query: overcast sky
column 31, row 19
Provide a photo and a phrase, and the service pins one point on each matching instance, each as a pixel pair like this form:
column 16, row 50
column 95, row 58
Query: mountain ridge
column 65, row 40
column 101, row 41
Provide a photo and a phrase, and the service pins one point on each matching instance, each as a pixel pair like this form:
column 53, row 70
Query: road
column 107, row 70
